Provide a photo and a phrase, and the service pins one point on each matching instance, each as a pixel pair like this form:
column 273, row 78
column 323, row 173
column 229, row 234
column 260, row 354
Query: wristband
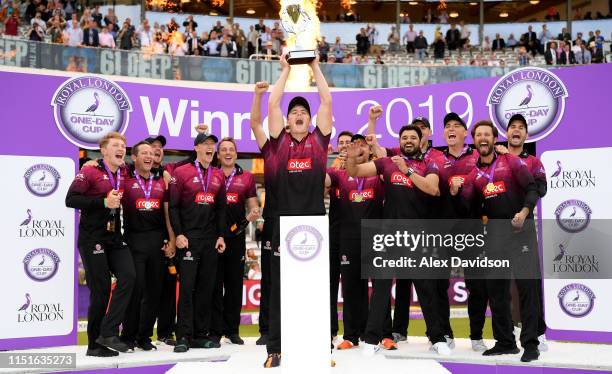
column 409, row 172
column 105, row 203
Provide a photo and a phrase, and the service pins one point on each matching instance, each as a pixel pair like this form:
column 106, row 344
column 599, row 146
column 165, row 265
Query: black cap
column 201, row 138
column 517, row 117
column 452, row 116
column 423, row 120
column 357, row 137
column 158, row 138
column 299, row 100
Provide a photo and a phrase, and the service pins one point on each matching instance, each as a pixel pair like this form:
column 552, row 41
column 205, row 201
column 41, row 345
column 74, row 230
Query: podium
column 305, row 318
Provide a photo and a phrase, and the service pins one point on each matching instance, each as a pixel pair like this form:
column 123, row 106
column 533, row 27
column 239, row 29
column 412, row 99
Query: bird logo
column 577, row 296
column 573, row 213
column 93, row 107
column 558, row 171
column 305, row 239
column 561, row 253
column 42, row 262
column 528, row 98
column 27, row 220
column 27, row 303
column 43, row 177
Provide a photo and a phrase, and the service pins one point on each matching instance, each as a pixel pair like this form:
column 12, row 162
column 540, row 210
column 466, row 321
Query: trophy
column 296, row 20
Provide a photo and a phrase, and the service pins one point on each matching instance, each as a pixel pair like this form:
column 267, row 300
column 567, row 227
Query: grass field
column 461, row 329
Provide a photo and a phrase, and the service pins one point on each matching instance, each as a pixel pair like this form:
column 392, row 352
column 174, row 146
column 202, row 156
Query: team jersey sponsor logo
column 401, row 179
column 299, row 164
column 87, row 108
column 357, row 197
column 493, row 189
column 205, row 198
column 151, row 204
column 98, row 249
column 188, row 256
column 232, row 198
column 462, row 176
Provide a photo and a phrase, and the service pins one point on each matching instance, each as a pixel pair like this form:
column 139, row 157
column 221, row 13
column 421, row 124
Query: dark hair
column 227, row 139
column 137, row 145
column 520, row 118
column 414, row 128
column 345, row 133
column 485, row 123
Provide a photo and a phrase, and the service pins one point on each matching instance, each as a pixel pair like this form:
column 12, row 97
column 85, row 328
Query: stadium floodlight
column 213, row 13
column 534, row 2
column 454, row 14
column 503, row 14
column 413, row 3
column 473, row 3
column 250, row 11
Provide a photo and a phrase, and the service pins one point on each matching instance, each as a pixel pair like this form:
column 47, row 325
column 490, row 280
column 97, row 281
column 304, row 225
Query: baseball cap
column 517, row 117
column 201, row 138
column 358, row 137
column 301, row 101
column 158, row 138
column 423, row 120
column 452, row 116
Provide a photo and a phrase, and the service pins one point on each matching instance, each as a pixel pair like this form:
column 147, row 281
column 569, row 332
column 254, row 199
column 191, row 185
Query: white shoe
column 450, row 342
column 543, row 346
column 479, row 345
column 441, row 348
column 369, row 350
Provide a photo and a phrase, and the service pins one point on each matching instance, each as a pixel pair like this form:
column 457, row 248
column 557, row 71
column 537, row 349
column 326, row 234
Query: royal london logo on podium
column 304, row 242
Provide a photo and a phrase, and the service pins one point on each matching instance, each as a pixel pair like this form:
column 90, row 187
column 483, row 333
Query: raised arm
column 373, row 115
column 367, row 169
column 324, row 115
column 256, row 122
column 427, row 183
column 276, row 122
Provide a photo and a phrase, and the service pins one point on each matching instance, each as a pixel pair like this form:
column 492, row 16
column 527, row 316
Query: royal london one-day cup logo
column 536, row 93
column 304, row 242
column 576, row 300
column 87, row 108
column 42, row 179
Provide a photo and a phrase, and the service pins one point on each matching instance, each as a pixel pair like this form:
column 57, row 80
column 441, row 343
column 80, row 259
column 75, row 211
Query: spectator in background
column 35, row 33
column 363, row 42
column 260, row 27
column 56, row 19
column 465, row 35
column 591, row 38
column 106, row 40
column 254, row 272
column 240, row 39
column 567, row 56
column 177, row 46
column 193, row 44
column 511, row 42
column 252, row 37
column 96, row 15
column 90, row 35
column 405, row 18
column 530, row 41
column 550, row 55
column 596, row 53
column 172, row 25
column 564, row 35
column 578, row 40
column 30, row 11
column 158, row 46
column 58, row 10
column 379, row 60
column 394, row 40
column 409, row 38
column 38, row 20
column 56, row 30
column 218, row 28
column 544, row 37
column 323, row 48
column 69, row 8
column 428, row 17
column 443, row 17
column 85, row 18
column 372, row 34
column 73, row 36
column 189, row 22
column 523, row 57
column 338, row 50
column 348, row 59
column 599, row 39
column 210, row 48
column 145, row 35
column 486, row 44
column 126, row 37
column 11, row 25
column 498, row 43
column 439, row 47
column 577, row 53
column 8, row 11
column 586, row 54
column 420, row 45
column 108, row 18
column 277, row 37
column 453, row 37
column 264, row 37
column 227, row 47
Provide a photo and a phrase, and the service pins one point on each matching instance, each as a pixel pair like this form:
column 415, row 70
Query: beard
column 487, row 151
column 408, row 153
